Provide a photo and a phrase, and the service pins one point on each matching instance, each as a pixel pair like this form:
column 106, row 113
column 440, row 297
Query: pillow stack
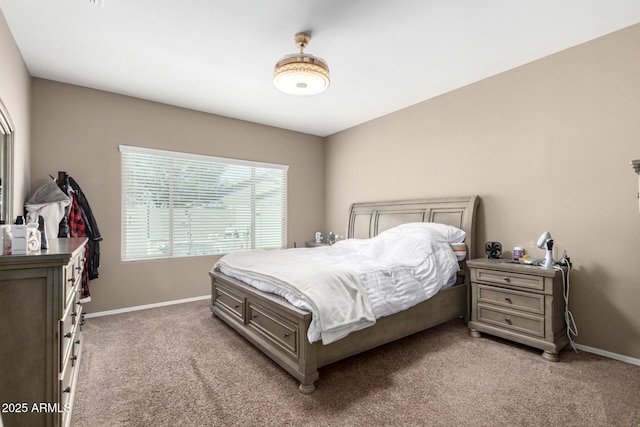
column 460, row 250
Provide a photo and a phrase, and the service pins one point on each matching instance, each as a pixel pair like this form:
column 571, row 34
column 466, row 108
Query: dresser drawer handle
column 237, row 305
column 67, row 390
column 507, row 320
column 71, row 279
column 506, row 279
column 74, row 357
column 67, row 335
column 77, row 341
column 286, row 334
column 507, row 299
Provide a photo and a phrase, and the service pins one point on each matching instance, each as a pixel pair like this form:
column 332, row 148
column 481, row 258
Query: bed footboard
column 274, row 326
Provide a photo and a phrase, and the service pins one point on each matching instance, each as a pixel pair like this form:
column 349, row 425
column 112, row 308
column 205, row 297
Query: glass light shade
column 301, row 74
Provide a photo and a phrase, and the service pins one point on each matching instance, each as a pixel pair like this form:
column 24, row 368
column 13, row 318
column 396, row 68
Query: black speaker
column 493, row 249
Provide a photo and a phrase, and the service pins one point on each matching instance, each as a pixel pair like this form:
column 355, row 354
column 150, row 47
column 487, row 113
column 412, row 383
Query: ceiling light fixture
column 301, row 73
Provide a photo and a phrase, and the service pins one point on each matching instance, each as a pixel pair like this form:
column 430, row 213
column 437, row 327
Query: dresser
column 40, row 333
column 518, row 302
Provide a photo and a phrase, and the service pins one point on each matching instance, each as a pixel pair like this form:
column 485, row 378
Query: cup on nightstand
column 518, row 253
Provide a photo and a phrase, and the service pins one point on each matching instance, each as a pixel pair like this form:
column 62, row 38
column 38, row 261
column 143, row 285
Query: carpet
column 178, row 366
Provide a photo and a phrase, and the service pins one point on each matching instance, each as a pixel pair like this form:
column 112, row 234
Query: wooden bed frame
column 279, row 329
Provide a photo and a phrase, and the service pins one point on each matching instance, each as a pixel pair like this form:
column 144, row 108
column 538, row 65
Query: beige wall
column 78, row 130
column 15, row 93
column 548, row 147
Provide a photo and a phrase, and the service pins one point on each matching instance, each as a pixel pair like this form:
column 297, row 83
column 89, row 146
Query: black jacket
column 91, row 228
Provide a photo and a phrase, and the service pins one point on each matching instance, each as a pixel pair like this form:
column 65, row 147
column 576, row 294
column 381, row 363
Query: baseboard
column 144, row 307
column 608, row 354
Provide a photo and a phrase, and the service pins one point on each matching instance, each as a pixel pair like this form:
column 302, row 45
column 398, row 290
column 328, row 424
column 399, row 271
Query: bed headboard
column 368, row 219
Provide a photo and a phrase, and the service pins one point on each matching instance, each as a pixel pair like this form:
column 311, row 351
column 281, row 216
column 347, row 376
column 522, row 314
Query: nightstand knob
column 507, row 299
column 506, row 279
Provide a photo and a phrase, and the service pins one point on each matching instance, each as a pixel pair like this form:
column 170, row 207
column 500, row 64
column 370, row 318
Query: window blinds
column 179, row 204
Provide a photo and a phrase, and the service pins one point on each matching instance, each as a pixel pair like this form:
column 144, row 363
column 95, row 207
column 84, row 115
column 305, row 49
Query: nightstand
column 518, row 302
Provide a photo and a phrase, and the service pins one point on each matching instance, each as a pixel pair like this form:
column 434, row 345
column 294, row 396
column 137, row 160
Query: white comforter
column 350, row 284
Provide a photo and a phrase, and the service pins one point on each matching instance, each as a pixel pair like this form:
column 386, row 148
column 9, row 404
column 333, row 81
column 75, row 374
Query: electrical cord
column 572, row 328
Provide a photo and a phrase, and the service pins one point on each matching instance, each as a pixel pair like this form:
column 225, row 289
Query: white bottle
column 33, row 238
column 19, row 237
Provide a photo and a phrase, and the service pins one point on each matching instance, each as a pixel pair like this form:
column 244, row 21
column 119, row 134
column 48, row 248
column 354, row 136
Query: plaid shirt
column 77, row 229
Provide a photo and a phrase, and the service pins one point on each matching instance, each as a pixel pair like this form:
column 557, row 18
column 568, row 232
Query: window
column 177, row 204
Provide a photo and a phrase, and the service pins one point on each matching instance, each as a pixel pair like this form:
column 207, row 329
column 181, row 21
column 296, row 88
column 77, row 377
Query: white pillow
column 440, row 232
column 412, row 243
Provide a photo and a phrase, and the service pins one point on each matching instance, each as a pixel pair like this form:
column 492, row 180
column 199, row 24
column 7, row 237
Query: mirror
column 6, row 165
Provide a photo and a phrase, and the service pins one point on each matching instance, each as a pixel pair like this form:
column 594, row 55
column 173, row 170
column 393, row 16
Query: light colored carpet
column 178, row 366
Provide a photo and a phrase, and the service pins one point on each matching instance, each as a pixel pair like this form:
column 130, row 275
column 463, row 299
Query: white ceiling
column 217, row 56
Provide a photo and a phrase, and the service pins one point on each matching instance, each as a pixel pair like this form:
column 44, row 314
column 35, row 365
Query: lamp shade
column 542, row 240
column 301, row 73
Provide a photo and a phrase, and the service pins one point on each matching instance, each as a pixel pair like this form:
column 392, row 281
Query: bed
column 280, row 330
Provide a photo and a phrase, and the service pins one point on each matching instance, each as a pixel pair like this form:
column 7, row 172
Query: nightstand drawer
column 507, row 278
column 508, row 298
column 517, row 321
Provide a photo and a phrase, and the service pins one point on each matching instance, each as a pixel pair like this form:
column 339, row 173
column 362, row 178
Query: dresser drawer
column 69, row 329
column 275, row 328
column 76, row 349
column 66, row 392
column 66, row 380
column 523, row 301
column 73, row 277
column 70, row 281
column 229, row 301
column 525, row 281
column 514, row 320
